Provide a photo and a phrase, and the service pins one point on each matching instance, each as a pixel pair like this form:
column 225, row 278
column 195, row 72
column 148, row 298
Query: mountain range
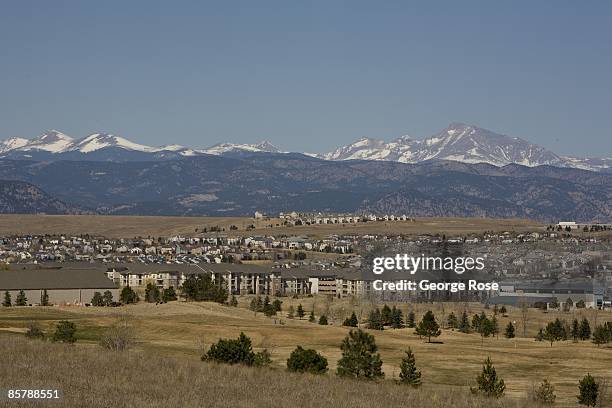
column 463, row 171
column 458, row 142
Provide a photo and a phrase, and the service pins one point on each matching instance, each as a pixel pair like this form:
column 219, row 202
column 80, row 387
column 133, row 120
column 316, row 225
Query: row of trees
column 22, row 300
column 559, row 330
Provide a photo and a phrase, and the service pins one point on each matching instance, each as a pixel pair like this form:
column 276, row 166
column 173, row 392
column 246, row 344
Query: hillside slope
column 17, row 197
column 88, row 376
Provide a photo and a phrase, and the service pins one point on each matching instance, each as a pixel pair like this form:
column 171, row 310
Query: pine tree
column 323, row 320
column 233, row 301
column 601, row 335
column 311, row 318
column 44, row 298
column 107, row 297
column 291, row 312
column 351, row 321
column 152, row 293
column 487, row 382
column 452, row 321
column 385, row 315
column 589, row 391
column 509, row 333
column 21, row 299
column 464, row 323
column 555, row 331
column 495, row 326
column 410, row 319
column 428, row 327
column 306, row 361
column 375, row 320
column 359, row 356
column 575, row 332
column 585, row 329
column 397, row 320
column 7, row 299
column 300, row 311
column 128, row 295
column 408, row 370
column 97, row 299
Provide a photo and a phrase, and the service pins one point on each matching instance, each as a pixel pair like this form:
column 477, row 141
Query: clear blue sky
column 309, row 75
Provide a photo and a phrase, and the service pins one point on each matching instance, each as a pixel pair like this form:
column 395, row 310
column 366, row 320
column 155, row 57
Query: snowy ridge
column 458, row 142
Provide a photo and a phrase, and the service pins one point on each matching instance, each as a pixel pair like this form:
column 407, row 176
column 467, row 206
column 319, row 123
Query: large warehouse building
column 65, row 285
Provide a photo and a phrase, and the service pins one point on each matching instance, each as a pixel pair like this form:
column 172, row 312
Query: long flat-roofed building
column 71, row 284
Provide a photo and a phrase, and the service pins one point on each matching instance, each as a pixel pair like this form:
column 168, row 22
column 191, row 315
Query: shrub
column 262, row 358
column 118, row 337
column 306, row 361
column 545, row 393
column 232, row 351
column 34, row 331
column 64, row 332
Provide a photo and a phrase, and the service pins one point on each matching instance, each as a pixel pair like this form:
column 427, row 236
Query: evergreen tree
column 555, row 331
column 233, row 301
column 64, row 332
column 323, row 320
column 277, row 305
column 311, row 318
column 107, row 297
column 375, row 320
column 7, row 299
column 386, row 315
column 21, row 299
column 291, row 312
column 452, row 321
column 300, row 311
column 509, row 333
column 487, row 382
column 503, row 310
column 410, row 320
column 589, row 391
column 152, row 294
column 128, row 295
column 97, row 299
column 428, row 327
column 397, row 320
column 351, row 321
column 306, row 361
column 545, row 393
column 230, row 351
column 408, row 370
column 575, row 332
column 495, row 326
column 585, row 329
column 464, row 323
column 359, row 356
column 44, row 298
column 601, row 335
column 540, row 335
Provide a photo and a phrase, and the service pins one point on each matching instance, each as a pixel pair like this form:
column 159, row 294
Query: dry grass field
column 182, row 330
column 91, row 377
column 134, row 226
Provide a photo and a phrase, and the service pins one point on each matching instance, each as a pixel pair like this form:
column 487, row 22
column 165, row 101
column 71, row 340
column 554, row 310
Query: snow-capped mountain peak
column 262, row 147
column 12, row 143
column 52, row 141
column 99, row 141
